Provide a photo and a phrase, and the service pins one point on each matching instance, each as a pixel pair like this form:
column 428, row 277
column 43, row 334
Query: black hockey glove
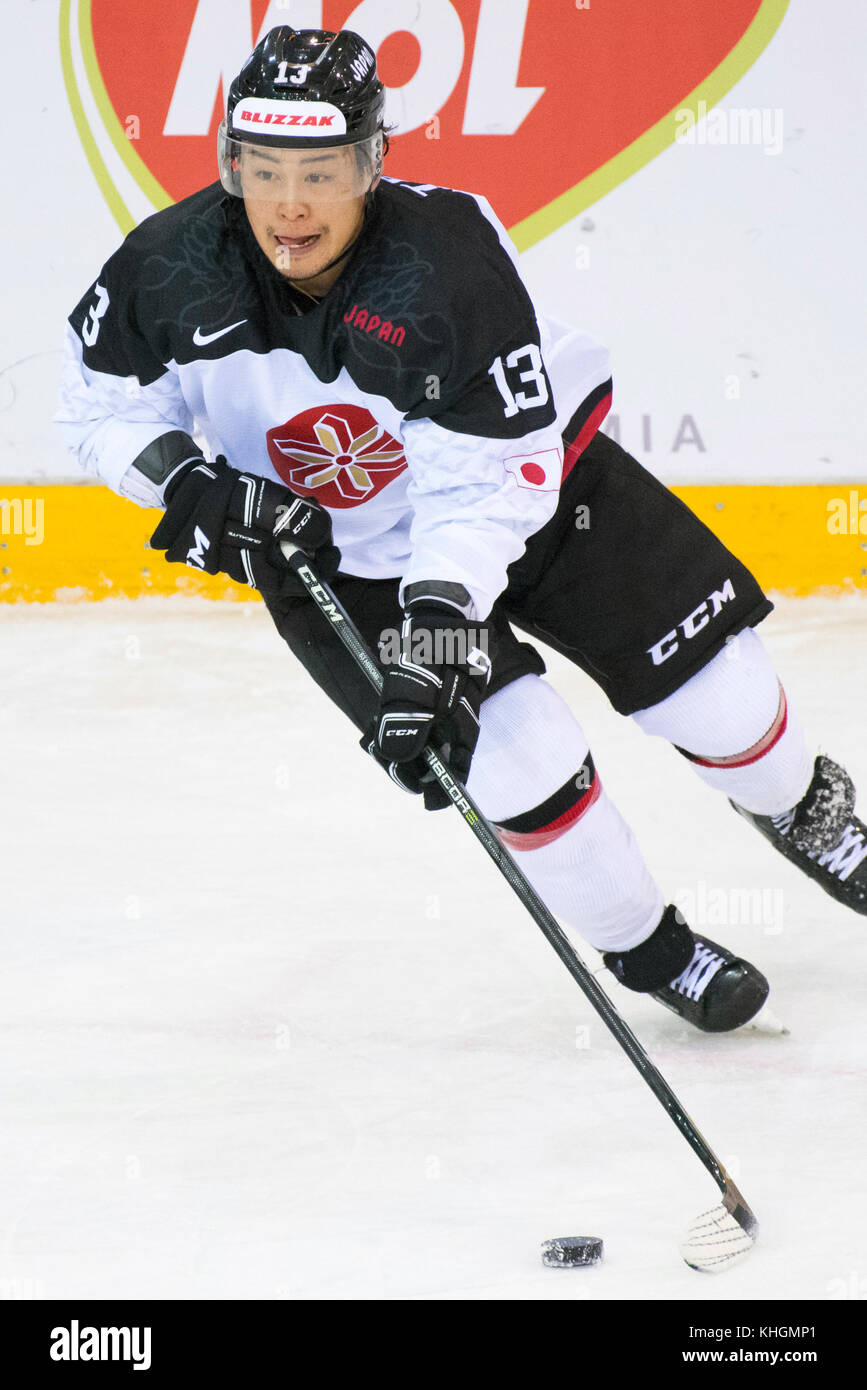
column 220, row 520
column 431, row 694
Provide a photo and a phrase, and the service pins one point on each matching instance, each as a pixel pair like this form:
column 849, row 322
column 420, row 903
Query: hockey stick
column 716, row 1238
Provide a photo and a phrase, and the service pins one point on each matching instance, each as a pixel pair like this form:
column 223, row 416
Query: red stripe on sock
column 758, row 750
column 546, row 834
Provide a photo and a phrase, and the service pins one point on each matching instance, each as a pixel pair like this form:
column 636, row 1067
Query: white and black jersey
column 424, row 401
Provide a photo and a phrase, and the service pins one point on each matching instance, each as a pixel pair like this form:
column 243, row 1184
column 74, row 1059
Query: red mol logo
column 338, row 454
column 541, row 106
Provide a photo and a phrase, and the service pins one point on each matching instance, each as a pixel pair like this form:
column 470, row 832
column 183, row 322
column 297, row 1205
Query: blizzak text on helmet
column 270, row 118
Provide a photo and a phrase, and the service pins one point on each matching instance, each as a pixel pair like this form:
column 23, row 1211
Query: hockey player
column 373, row 380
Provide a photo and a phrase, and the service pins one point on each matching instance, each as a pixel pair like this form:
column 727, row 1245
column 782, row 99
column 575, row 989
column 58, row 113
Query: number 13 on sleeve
column 520, row 400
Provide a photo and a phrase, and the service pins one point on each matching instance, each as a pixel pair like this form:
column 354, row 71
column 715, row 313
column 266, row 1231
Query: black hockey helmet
column 305, row 89
column 310, row 65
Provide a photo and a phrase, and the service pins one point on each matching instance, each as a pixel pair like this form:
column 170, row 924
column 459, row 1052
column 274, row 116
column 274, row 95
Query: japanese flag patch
column 540, row 472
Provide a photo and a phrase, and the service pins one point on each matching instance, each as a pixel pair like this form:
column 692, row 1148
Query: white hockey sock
column 532, row 775
column 733, row 722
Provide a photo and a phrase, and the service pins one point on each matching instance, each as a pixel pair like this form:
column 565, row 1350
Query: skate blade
column 766, row 1021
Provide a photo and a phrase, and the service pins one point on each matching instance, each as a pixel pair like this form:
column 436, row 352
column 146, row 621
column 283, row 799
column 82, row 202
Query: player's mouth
column 298, row 246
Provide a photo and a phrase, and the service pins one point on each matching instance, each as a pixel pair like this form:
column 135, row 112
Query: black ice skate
column 822, row 836
column 709, row 986
column 717, row 991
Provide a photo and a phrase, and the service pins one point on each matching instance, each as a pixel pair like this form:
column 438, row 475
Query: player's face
column 305, row 207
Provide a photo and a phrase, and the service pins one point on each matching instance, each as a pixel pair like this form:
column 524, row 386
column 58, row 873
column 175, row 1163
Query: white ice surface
column 269, row 1030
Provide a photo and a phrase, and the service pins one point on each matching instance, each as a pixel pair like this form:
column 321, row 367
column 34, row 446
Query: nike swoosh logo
column 200, row 338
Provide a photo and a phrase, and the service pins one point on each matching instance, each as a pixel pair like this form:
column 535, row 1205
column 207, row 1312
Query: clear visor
column 271, row 173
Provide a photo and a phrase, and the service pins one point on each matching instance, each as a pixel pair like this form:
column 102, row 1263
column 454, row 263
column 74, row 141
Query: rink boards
column 71, row 541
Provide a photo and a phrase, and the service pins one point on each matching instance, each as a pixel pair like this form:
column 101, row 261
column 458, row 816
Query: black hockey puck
column 571, row 1250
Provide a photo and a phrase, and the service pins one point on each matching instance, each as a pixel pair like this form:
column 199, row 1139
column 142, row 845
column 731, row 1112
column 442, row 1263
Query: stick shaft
column 351, row 638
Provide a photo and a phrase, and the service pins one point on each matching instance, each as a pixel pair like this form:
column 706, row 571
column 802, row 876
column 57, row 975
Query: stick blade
column 716, row 1240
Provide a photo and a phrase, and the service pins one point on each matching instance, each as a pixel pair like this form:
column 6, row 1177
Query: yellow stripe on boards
column 85, row 542
column 75, row 541
column 790, row 536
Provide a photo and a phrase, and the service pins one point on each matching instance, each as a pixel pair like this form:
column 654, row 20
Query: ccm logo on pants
column 692, row 623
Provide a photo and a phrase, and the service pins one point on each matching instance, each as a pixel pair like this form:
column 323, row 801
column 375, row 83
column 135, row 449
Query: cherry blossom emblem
column 338, row 454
